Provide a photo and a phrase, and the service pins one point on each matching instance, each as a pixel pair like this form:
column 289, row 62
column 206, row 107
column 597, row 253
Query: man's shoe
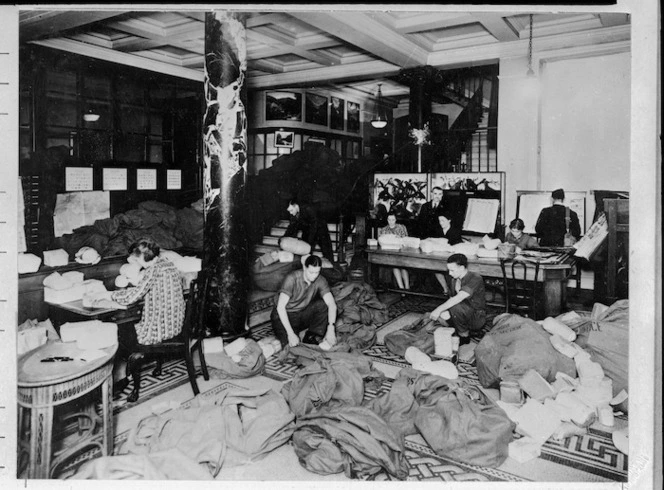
column 464, row 340
column 311, row 338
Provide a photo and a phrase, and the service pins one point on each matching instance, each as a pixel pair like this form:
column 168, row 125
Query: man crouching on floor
column 298, row 307
column 466, row 309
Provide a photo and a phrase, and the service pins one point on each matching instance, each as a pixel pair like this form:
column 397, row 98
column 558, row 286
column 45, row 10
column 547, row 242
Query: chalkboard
column 530, row 204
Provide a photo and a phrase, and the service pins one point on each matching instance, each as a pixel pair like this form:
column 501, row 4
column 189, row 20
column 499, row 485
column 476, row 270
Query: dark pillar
column 225, row 255
column 422, row 81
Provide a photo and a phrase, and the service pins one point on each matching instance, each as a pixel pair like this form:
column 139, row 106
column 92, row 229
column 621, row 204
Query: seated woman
column 393, row 228
column 453, row 235
column 164, row 306
column 516, row 236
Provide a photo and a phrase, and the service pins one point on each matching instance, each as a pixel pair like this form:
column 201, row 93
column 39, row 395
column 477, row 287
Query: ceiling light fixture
column 91, row 116
column 379, row 119
column 530, row 72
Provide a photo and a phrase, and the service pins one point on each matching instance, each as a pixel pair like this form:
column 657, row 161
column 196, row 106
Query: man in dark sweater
column 305, row 303
column 551, row 224
column 314, row 229
column 466, row 308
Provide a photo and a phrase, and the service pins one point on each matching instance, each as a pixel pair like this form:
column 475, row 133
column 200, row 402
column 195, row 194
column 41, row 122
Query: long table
column 553, row 276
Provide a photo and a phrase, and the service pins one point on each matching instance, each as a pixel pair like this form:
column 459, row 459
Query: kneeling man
column 466, row 309
column 305, row 303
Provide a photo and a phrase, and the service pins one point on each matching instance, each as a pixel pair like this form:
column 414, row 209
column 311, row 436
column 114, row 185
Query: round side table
column 45, row 385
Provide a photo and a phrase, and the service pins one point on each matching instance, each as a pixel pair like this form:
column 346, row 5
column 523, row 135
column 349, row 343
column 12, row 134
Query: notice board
column 530, row 203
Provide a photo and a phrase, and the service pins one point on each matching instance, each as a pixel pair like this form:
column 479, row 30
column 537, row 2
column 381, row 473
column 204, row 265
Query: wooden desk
column 554, row 276
column 74, row 311
column 44, row 385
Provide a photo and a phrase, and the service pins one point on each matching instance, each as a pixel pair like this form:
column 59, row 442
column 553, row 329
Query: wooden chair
column 520, row 287
column 184, row 344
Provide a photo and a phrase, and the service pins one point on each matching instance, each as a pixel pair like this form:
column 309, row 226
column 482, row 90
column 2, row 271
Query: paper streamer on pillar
column 225, row 257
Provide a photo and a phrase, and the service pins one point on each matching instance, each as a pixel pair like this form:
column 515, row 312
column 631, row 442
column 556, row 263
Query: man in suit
column 551, row 224
column 427, row 219
column 314, row 229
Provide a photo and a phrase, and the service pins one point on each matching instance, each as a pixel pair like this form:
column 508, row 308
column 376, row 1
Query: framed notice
column 481, row 215
column 115, row 179
column 78, row 179
column 173, row 179
column 146, row 179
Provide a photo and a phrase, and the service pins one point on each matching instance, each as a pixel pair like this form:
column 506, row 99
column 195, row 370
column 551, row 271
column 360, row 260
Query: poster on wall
column 146, row 179
column 283, row 106
column 353, row 117
column 76, row 209
column 115, row 179
column 402, row 193
column 471, row 181
column 337, row 113
column 78, row 179
column 315, row 109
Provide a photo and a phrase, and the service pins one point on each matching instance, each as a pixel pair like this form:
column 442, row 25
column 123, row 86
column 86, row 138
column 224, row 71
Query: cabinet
column 617, row 264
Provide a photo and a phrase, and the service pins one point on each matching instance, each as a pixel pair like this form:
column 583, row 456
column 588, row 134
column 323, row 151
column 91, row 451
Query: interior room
column 247, row 148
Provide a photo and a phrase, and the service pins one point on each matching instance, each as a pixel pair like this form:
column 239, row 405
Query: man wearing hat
column 555, row 221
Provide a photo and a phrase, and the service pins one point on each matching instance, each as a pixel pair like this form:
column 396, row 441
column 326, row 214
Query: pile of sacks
column 565, row 384
column 242, row 358
column 358, row 312
column 270, row 269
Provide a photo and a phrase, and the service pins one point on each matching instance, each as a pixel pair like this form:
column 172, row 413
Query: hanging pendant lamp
column 379, row 118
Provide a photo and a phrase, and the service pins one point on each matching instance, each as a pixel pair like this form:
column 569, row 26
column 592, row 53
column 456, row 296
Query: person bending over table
column 466, row 309
column 160, row 285
column 453, row 235
column 393, row 228
column 517, row 237
column 298, row 308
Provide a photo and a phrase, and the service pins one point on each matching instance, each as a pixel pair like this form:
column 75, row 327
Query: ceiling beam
column 329, row 74
column 53, row 23
column 432, row 21
column 121, row 58
column 497, row 27
column 360, row 30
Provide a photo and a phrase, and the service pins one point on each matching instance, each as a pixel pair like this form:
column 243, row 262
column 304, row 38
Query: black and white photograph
column 284, row 139
column 315, row 109
column 283, row 106
column 337, row 113
column 238, row 284
column 353, row 117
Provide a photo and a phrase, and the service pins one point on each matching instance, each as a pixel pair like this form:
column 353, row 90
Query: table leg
column 107, row 414
column 553, row 297
column 41, row 428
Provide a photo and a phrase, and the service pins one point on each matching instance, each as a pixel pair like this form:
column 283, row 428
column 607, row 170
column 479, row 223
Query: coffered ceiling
column 304, row 48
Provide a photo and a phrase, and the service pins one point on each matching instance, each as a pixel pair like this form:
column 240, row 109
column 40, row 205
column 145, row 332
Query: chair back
column 193, row 327
column 520, row 287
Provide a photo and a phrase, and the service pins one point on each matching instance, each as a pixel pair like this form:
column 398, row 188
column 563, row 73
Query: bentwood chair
column 521, row 289
column 185, row 344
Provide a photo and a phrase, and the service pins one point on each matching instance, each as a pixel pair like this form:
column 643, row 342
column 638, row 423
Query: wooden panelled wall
column 147, row 120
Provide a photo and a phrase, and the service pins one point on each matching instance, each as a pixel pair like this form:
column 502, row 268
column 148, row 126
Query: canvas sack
column 465, row 425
